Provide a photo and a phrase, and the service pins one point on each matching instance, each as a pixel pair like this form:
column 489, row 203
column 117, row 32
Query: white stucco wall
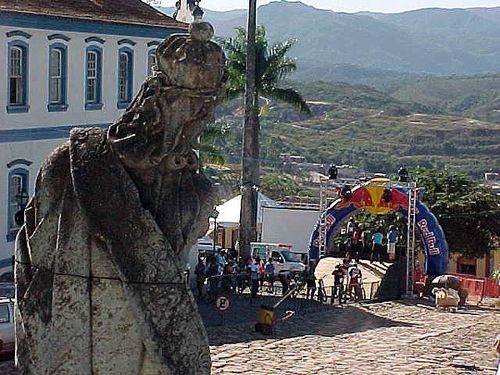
column 38, row 116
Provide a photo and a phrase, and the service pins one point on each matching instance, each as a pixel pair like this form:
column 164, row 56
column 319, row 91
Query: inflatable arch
column 368, row 196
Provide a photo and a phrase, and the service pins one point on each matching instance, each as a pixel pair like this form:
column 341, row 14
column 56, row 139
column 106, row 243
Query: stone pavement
column 390, row 338
column 243, row 309
column 382, row 338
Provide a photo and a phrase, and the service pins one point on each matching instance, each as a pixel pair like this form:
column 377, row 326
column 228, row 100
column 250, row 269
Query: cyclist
column 338, row 283
column 355, row 282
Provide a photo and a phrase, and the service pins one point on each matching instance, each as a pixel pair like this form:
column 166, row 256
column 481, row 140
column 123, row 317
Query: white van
column 7, row 335
column 283, row 257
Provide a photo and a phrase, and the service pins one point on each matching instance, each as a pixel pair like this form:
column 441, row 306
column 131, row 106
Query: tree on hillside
column 272, row 66
column 468, row 213
column 279, row 186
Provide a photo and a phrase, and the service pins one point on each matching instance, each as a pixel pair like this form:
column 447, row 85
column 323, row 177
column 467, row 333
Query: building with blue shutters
column 64, row 64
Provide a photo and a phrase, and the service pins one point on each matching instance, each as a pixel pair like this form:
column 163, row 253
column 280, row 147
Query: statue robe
column 100, row 287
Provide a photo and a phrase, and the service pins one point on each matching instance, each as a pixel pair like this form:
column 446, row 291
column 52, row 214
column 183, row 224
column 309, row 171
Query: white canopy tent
column 229, row 212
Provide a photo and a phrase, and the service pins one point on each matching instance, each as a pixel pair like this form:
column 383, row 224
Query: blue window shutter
column 97, row 103
column 121, row 104
column 24, row 175
column 23, row 105
column 62, row 105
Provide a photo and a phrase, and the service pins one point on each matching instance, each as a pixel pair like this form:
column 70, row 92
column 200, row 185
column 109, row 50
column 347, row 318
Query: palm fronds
column 211, row 145
column 272, row 65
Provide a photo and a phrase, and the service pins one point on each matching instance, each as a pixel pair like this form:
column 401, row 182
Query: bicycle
column 322, row 296
column 338, row 292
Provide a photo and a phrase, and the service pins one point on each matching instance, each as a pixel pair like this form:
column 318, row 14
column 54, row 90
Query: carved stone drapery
column 99, row 266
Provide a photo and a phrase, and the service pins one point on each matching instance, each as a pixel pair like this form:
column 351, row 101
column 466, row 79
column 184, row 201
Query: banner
column 370, row 197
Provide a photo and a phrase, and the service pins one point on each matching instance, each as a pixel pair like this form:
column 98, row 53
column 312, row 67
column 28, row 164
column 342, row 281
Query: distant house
column 65, row 64
column 492, row 180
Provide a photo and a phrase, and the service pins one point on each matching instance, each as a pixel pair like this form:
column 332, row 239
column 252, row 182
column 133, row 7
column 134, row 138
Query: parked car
column 7, row 334
column 7, row 270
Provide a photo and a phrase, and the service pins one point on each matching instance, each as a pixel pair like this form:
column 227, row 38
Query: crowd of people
column 360, row 242
column 222, row 272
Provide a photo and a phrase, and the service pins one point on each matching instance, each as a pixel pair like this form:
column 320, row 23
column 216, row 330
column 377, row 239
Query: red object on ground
column 475, row 287
column 491, row 288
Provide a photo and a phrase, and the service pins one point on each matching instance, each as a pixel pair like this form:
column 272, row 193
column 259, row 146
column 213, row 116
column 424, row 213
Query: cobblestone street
column 382, row 338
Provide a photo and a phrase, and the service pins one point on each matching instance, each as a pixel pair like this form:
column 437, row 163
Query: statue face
column 174, row 105
column 192, row 64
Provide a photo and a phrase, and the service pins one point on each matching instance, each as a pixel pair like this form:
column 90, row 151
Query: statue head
column 174, row 105
column 193, row 61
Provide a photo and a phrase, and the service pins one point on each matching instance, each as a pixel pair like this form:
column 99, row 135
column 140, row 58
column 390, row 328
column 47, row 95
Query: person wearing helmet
column 355, row 277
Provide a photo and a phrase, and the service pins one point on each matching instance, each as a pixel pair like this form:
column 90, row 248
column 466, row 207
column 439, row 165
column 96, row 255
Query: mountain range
column 429, row 93
column 362, row 47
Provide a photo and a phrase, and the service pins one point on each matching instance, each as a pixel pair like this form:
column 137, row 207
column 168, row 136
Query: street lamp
column 403, row 174
column 22, row 200
column 213, row 215
column 332, row 172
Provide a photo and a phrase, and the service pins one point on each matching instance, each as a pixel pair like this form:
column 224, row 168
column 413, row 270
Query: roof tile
column 122, row 11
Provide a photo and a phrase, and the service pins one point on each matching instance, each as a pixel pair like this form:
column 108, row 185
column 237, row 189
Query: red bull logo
column 372, row 195
column 399, row 200
column 429, row 237
column 330, row 220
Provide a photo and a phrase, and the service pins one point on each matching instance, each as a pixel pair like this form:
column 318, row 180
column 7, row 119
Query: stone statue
column 188, row 11
column 100, row 258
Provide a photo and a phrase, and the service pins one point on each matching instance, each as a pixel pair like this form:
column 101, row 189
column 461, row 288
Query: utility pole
column 250, row 152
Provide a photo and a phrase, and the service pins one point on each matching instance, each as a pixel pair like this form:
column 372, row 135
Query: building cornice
column 35, row 21
column 42, row 133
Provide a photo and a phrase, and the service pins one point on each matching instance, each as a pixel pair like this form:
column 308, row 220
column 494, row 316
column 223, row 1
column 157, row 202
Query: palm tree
column 256, row 74
column 211, row 148
column 273, row 66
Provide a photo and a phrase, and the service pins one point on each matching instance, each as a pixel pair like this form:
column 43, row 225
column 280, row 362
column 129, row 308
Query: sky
column 385, row 6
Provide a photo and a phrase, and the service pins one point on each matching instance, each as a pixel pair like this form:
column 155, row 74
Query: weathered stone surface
column 99, row 261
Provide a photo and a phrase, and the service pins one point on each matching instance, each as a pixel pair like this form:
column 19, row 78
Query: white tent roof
column 229, row 212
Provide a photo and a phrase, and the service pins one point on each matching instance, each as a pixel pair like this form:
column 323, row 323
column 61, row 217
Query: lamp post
column 213, row 215
column 332, row 172
column 403, row 174
column 22, row 200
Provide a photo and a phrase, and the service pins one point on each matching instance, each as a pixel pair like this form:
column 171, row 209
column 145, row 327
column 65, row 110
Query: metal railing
column 241, row 284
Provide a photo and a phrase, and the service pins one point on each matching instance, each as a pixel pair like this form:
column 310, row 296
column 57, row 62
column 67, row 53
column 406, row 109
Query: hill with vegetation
column 361, row 126
column 470, row 96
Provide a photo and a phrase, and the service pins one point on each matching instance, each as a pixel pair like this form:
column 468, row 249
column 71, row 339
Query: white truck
column 290, row 225
column 204, row 247
column 283, row 257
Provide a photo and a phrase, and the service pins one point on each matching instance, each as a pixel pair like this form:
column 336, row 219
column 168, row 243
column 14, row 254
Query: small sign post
column 222, row 304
